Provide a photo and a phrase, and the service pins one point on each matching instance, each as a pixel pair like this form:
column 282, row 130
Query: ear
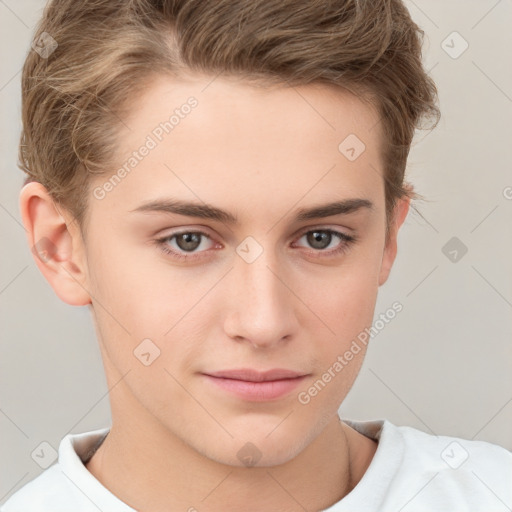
column 56, row 243
column 399, row 214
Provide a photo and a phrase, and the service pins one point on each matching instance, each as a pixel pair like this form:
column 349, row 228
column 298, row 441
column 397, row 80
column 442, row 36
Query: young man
column 222, row 183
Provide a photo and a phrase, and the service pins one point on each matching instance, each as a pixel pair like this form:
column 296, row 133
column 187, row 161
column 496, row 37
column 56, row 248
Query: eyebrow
column 206, row 211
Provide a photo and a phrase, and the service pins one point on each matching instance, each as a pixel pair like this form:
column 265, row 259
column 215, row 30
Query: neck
column 149, row 468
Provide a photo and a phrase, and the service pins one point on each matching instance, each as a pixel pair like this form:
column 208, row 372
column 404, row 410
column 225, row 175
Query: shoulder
column 68, row 485
column 439, row 451
column 419, row 472
column 476, row 474
column 49, row 491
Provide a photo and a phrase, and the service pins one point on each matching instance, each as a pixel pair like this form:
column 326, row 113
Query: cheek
column 132, row 284
column 347, row 307
column 344, row 297
column 136, row 299
column 346, row 304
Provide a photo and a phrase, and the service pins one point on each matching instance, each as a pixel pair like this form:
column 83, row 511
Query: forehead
column 227, row 142
column 232, row 105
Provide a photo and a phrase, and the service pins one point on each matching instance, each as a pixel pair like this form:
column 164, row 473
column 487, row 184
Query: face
column 263, row 285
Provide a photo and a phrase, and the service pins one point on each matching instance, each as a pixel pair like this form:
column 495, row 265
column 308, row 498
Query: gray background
column 443, row 365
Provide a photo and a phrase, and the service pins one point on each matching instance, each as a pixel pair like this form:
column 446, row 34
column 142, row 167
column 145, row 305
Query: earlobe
column 399, row 214
column 55, row 244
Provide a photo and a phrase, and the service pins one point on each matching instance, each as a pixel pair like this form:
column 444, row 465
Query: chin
column 258, row 449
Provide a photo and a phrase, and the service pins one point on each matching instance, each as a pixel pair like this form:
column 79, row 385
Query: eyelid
column 326, row 227
column 345, row 239
column 173, row 234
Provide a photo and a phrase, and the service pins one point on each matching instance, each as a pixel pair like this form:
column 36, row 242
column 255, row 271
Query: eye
column 184, row 244
column 330, row 241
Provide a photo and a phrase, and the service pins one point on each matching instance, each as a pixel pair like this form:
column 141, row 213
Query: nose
column 262, row 305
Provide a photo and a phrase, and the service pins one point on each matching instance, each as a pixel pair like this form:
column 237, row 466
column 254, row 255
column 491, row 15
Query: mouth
column 253, row 385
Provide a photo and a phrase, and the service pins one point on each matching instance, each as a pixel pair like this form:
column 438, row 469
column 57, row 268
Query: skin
column 260, row 154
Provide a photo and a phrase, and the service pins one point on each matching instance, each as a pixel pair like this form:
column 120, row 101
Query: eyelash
column 346, row 242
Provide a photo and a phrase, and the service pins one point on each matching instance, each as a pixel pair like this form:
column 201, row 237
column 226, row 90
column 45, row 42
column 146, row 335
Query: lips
column 254, row 385
column 250, row 375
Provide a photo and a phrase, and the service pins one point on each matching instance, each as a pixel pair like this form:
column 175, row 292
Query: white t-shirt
column 411, row 471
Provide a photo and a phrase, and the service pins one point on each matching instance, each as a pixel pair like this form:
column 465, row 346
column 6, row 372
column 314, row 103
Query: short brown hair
column 73, row 98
